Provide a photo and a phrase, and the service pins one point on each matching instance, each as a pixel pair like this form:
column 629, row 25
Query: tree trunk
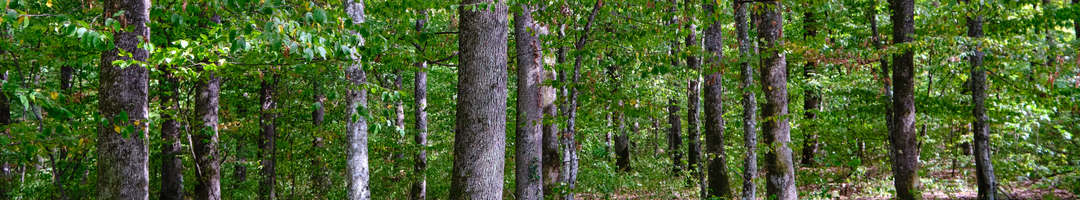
column 905, row 154
column 172, row 174
column 779, row 167
column 356, row 113
column 984, row 168
column 208, row 176
column 749, row 103
column 399, row 120
column 419, row 188
column 811, row 99
column 530, row 114
column 570, row 146
column 716, row 159
column 885, row 75
column 240, row 170
column 267, row 134
column 551, row 158
column 675, row 136
column 123, row 157
column 319, row 179
column 693, row 99
column 622, row 144
column 479, row 135
column 5, row 105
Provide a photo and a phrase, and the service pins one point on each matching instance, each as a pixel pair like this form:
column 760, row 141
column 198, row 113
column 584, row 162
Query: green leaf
column 118, row 13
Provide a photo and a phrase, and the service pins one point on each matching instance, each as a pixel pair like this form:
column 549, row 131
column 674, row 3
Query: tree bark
column 479, row 135
column 208, row 91
column 551, row 158
column 570, row 146
column 240, row 170
column 268, row 135
column 905, row 151
column 693, row 100
column 984, row 168
column 399, row 119
column 419, row 188
column 716, row 159
column 123, row 158
column 779, row 167
column 885, row 75
column 356, row 170
column 530, row 115
column 5, row 105
column 749, row 103
column 319, row 179
column 811, row 99
column 675, row 136
column 622, row 143
column 172, row 175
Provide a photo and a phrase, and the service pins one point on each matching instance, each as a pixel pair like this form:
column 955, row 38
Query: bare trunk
column 530, row 115
column 208, row 183
column 749, row 103
column 419, row 188
column 356, row 112
column 319, row 179
column 479, row 135
column 779, row 166
column 675, row 137
column 693, row 100
column 984, row 168
column 551, row 159
column 811, row 99
column 570, row 146
column 122, row 156
column 905, row 153
column 719, row 184
column 172, row 176
column 268, row 135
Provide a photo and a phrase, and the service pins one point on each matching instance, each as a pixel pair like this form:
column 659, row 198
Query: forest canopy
column 539, row 99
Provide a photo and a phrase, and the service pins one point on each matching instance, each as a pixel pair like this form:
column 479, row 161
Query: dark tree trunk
column 267, row 134
column 570, row 146
column 811, row 99
column 5, row 105
column 885, row 75
column 319, row 179
column 479, row 135
column 779, row 166
column 656, row 132
column 693, row 100
column 123, row 157
column 208, row 174
column 240, row 170
column 172, row 175
column 675, row 136
column 357, row 170
column 622, row 144
column 984, row 168
column 419, row 188
column 530, row 115
column 905, row 153
column 716, row 159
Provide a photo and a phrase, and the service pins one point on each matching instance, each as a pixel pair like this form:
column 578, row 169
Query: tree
column 749, row 102
column 719, row 183
column 419, row 188
column 356, row 116
column 904, row 152
column 984, row 168
column 675, row 136
column 479, row 133
column 123, row 154
column 268, row 135
column 693, row 99
column 208, row 91
column 568, row 174
column 811, row 98
column 779, row 166
column 530, row 114
column 172, row 176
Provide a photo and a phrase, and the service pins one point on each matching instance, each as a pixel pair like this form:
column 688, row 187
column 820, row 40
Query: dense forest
column 539, row 99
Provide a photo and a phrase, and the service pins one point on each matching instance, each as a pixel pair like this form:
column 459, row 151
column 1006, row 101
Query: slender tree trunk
column 656, row 132
column 622, row 143
column 399, row 120
column 268, row 135
column 480, row 139
column 123, row 157
column 530, row 114
column 693, row 100
column 719, row 183
column 905, row 151
column 779, row 167
column 984, row 168
column 675, row 136
column 207, row 92
column 356, row 112
column 419, row 188
column 172, row 176
column 319, row 179
column 570, row 146
column 551, row 158
column 5, row 105
column 749, row 103
column 885, row 75
column 811, row 99
column 240, row 170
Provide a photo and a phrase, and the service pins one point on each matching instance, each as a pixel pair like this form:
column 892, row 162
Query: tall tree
column 568, row 175
column 675, row 136
column 716, row 159
column 779, row 166
column 172, row 175
column 693, row 99
column 208, row 174
column 984, row 168
column 530, row 116
column 419, row 188
column 904, row 151
column 356, row 160
column 267, row 134
column 320, row 181
column 550, row 158
column 884, row 66
column 479, row 135
column 749, row 102
column 811, row 98
column 123, row 155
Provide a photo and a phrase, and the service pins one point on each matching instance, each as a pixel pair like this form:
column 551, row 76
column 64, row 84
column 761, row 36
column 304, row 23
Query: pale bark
column 749, row 103
column 779, row 166
column 208, row 176
column 122, row 170
column 904, row 151
column 356, row 170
